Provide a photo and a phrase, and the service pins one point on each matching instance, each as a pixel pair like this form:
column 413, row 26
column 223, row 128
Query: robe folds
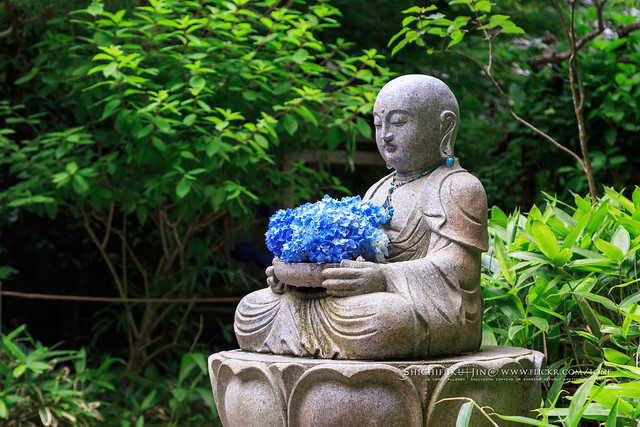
column 433, row 304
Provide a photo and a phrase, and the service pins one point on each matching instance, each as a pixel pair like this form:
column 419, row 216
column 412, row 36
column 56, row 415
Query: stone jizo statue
column 425, row 299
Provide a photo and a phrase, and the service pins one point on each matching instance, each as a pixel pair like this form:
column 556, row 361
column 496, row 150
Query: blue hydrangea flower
column 329, row 230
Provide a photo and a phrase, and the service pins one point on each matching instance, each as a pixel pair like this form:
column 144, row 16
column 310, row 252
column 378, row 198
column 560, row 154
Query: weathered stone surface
column 425, row 300
column 270, row 390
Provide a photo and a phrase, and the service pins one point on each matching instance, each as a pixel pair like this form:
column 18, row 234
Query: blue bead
column 450, row 161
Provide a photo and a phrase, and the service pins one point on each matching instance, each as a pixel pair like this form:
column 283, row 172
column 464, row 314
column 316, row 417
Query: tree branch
column 550, row 56
column 625, row 30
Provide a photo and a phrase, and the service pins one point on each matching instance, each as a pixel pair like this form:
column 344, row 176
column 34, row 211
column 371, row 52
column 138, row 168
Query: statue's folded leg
column 379, row 325
column 269, row 323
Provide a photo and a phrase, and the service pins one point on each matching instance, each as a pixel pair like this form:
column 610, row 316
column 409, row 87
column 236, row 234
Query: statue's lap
column 378, row 325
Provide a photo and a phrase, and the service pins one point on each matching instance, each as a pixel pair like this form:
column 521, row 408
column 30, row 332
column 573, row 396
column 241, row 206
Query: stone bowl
column 301, row 274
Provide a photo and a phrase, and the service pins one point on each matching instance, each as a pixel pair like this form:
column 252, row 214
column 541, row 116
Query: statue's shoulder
column 464, row 188
column 455, row 206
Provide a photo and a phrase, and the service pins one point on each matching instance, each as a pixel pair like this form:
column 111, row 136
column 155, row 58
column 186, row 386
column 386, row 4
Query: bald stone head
column 416, row 120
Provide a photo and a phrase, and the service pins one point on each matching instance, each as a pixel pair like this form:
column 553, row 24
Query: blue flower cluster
column 329, row 230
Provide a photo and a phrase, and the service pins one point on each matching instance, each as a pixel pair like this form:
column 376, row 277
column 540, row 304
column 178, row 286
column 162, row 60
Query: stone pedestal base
column 252, row 389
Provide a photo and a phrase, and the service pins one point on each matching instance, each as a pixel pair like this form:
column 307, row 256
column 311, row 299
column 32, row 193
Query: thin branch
column 552, row 57
column 512, row 112
column 52, row 297
column 575, row 79
column 110, row 266
column 625, row 30
column 468, row 399
column 107, row 232
column 176, row 336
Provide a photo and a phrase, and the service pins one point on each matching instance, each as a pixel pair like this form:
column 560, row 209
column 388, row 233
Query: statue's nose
column 388, row 137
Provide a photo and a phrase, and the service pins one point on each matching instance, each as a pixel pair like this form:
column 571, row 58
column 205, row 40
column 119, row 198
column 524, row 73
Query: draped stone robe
column 433, row 304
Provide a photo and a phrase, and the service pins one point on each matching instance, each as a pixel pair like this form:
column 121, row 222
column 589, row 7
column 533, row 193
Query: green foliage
column 45, row 386
column 42, row 386
column 174, row 126
column 180, row 397
column 565, row 282
column 503, row 40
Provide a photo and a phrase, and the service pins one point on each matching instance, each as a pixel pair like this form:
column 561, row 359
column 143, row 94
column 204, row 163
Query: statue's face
column 405, row 133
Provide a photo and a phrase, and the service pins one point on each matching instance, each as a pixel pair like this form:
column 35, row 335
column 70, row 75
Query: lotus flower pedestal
column 253, row 389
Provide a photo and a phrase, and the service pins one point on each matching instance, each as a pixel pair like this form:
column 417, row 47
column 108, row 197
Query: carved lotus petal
column 340, row 395
column 248, row 396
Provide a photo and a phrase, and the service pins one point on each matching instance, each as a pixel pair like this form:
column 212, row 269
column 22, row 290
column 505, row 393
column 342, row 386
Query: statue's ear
column 448, row 125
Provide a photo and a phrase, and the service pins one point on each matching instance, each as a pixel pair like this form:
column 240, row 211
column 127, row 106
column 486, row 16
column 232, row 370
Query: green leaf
column 95, row 9
column 613, row 415
column 464, row 415
column 183, row 187
column 591, row 317
column 300, row 56
column 611, row 251
column 79, row 184
column 545, row 239
column 19, row 370
column 250, row 95
column 401, row 44
column 539, row 323
column 162, row 125
column 189, row 119
column 456, row 37
column 110, row 107
column 159, row 144
column 579, row 401
column 290, row 124
column 572, row 237
column 561, row 258
column 4, row 412
column 282, row 88
column 513, row 330
column 110, row 69
column 363, row 127
column 197, row 82
column 519, row 420
column 621, row 239
column 596, row 298
column 556, row 387
column 26, row 78
column 501, row 256
column 261, row 141
column 615, row 356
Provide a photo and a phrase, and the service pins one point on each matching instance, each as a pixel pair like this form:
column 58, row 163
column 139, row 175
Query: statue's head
column 416, row 120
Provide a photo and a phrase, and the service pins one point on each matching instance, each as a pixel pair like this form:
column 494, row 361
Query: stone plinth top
column 486, row 353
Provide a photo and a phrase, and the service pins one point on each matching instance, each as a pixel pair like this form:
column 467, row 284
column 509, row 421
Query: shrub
column 564, row 281
column 45, row 386
column 160, row 130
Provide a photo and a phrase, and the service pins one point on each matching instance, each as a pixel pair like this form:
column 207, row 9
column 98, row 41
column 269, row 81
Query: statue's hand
column 354, row 278
column 273, row 281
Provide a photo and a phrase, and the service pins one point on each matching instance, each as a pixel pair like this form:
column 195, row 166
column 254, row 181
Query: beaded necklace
column 387, row 203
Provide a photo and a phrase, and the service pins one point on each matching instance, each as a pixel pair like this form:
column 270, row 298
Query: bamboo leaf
column 611, row 251
column 464, row 415
column 579, row 401
column 621, row 240
column 545, row 239
column 613, row 415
